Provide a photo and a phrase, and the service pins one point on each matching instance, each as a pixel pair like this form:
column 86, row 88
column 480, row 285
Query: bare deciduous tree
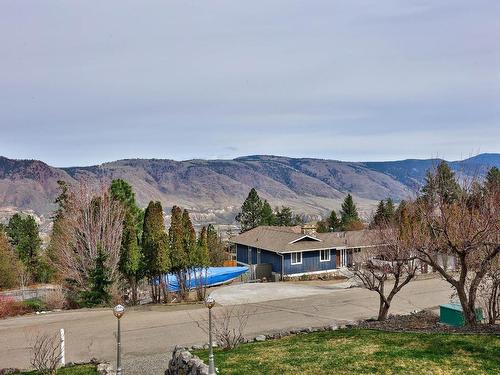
column 45, row 353
column 93, row 221
column 392, row 264
column 466, row 229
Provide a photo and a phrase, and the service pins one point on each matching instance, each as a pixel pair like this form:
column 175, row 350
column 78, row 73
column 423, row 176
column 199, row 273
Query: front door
column 338, row 259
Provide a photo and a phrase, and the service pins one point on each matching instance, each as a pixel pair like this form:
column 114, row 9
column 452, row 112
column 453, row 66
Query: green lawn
column 74, row 370
column 362, row 351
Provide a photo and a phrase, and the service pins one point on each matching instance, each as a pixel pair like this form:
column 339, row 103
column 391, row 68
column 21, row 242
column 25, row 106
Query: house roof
column 291, row 239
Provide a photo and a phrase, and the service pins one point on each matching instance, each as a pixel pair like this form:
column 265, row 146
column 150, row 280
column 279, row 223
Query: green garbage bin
column 452, row 314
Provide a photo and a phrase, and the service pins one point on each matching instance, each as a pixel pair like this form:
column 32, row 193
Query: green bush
column 35, row 304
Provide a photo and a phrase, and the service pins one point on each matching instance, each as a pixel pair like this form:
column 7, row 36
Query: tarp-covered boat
column 210, row 276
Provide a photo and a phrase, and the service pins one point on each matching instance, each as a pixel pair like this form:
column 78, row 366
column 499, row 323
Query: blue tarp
column 210, row 276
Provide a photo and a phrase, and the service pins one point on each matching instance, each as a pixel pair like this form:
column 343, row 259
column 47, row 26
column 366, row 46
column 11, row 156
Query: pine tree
column 349, row 214
column 441, row 184
column 100, row 282
column 156, row 249
column 493, row 179
column 334, row 223
column 390, row 210
column 284, row 217
column 251, row 212
column 380, row 214
column 267, row 215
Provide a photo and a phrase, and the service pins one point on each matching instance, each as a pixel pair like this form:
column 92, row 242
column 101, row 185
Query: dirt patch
column 425, row 321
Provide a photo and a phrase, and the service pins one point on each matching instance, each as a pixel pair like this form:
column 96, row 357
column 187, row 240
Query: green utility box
column 452, row 314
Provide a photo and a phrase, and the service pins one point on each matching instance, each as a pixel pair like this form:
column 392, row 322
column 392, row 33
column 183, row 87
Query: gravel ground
column 425, row 321
column 151, row 364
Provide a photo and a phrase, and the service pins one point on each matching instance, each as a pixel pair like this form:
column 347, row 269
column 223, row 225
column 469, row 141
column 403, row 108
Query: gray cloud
column 85, row 82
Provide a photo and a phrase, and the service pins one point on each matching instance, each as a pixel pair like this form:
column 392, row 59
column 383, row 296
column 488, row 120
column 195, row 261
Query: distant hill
column 213, row 190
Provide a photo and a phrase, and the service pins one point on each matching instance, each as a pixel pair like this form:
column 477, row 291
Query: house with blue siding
column 297, row 251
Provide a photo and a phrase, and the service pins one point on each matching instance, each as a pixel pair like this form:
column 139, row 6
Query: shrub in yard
column 10, row 307
column 55, row 299
column 45, row 353
column 34, row 304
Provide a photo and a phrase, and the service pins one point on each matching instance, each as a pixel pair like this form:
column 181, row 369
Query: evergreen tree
column 216, row 248
column 131, row 256
column 390, row 210
column 334, row 224
column 24, row 236
column 202, row 254
column 156, row 249
column 493, row 179
column 322, row 227
column 441, row 184
column 380, row 215
column 62, row 200
column 251, row 212
column 122, row 191
column 349, row 213
column 190, row 243
column 10, row 265
column 267, row 215
column 100, row 282
column 284, row 217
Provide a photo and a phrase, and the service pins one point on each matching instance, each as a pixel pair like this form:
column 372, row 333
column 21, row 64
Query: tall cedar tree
column 216, row 248
column 251, row 212
column 349, row 214
column 190, row 242
column 441, row 184
column 131, row 256
column 202, row 256
column 179, row 255
column 156, row 250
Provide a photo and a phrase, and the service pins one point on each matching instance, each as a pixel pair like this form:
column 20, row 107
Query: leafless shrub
column 55, row 299
column 200, row 280
column 228, row 324
column 45, row 353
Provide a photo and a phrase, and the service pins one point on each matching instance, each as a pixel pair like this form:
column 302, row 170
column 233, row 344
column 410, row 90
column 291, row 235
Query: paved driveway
column 149, row 333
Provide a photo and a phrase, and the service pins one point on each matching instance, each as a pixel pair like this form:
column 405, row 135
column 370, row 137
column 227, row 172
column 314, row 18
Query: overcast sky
column 83, row 82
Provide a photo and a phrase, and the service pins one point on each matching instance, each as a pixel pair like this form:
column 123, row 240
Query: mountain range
column 213, row 190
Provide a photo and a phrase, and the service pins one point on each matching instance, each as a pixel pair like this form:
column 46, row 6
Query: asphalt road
column 149, row 333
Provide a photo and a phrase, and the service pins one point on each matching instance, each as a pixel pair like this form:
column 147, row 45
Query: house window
column 296, row 258
column 324, row 255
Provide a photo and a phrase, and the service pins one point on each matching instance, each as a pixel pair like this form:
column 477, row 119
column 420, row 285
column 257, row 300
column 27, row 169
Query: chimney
column 309, row 229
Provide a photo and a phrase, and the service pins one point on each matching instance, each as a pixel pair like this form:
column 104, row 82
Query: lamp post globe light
column 118, row 312
column 210, row 302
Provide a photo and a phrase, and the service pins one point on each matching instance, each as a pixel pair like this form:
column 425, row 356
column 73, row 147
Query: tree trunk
column 383, row 310
column 467, row 306
column 493, row 304
column 133, row 286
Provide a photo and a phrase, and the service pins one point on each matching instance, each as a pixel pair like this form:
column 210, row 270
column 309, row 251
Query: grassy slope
column 364, row 352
